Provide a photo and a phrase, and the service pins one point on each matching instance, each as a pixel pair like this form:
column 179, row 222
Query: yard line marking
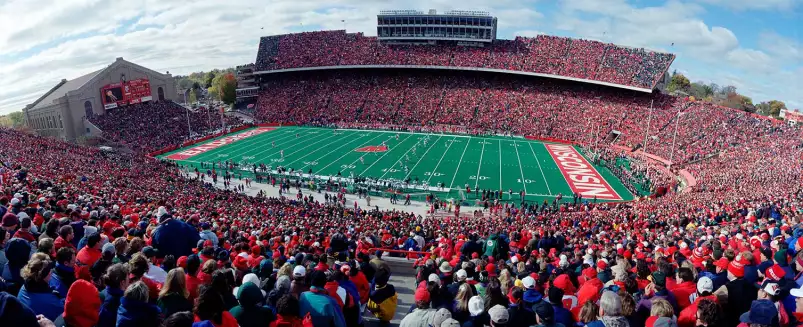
column 347, row 152
column 458, row 163
column 539, row 167
column 361, row 156
column 400, row 158
column 212, row 154
column 477, row 177
column 399, row 132
column 316, row 142
column 422, row 157
column 500, row 165
column 521, row 170
column 380, row 158
column 439, row 161
column 271, row 148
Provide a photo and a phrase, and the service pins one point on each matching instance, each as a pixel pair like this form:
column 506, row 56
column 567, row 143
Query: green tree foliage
column 678, row 83
column 13, row 120
column 199, row 80
column 212, row 92
column 192, row 98
column 226, row 87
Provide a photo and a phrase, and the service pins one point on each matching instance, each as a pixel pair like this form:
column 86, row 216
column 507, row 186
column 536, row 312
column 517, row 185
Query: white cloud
column 741, row 5
column 780, row 46
column 44, row 41
column 751, row 60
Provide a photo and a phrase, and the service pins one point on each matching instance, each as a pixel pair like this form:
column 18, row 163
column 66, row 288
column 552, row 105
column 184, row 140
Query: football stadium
column 434, row 175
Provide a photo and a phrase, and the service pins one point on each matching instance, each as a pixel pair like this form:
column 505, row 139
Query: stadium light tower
column 674, row 138
column 189, row 131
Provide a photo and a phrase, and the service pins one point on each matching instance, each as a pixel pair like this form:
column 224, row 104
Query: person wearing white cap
column 476, row 307
column 531, row 295
column 705, row 291
column 499, row 316
column 299, row 285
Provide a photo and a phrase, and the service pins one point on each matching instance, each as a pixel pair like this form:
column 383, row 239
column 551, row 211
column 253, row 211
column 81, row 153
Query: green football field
column 440, row 163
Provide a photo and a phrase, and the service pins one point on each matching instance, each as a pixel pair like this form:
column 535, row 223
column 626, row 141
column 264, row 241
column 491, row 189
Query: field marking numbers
column 452, row 141
column 338, row 148
column 521, row 170
column 539, row 167
column 422, row 157
column 458, row 163
column 482, row 153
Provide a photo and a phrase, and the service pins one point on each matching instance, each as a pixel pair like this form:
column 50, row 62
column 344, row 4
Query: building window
column 88, row 109
column 161, row 94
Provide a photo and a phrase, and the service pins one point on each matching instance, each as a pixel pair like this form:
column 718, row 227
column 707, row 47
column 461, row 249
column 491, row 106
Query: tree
column 193, row 98
column 210, row 77
column 678, row 83
column 226, row 87
column 17, row 119
column 212, row 91
column 776, row 107
column 700, row 90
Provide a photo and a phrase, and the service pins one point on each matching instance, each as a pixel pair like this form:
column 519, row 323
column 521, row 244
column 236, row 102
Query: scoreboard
column 127, row 92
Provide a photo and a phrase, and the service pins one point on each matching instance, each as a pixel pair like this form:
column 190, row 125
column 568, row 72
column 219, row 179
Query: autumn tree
column 226, row 87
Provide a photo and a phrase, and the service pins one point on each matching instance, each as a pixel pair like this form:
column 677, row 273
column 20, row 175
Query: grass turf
column 496, row 163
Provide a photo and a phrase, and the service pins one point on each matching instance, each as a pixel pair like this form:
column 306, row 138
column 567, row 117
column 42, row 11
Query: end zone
column 582, row 177
column 196, row 150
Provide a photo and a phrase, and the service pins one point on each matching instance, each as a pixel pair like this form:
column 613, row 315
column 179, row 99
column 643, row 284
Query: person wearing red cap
column 739, row 292
column 422, row 314
column 590, row 289
column 81, row 306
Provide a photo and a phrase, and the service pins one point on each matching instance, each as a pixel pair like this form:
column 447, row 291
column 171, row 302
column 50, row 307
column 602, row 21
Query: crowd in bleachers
column 509, row 105
column 584, row 59
column 150, row 126
column 92, row 238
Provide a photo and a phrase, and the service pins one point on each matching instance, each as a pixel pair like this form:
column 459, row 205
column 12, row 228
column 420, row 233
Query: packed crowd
column 93, row 238
column 102, row 239
column 577, row 58
column 150, row 126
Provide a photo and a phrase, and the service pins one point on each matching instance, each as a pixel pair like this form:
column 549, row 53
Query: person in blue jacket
column 116, row 280
column 63, row 274
column 323, row 309
column 135, row 311
column 18, row 251
column 36, row 292
column 174, row 237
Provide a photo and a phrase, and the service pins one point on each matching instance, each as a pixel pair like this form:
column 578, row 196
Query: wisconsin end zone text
column 582, row 177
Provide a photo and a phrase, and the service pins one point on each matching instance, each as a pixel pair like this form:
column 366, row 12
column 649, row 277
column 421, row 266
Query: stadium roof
column 62, row 88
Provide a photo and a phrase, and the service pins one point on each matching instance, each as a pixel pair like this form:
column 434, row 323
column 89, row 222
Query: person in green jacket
column 251, row 312
column 491, row 246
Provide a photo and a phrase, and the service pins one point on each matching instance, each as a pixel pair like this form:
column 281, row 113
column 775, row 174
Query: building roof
column 61, row 90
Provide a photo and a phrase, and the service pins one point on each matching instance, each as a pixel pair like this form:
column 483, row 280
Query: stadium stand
column 81, row 224
column 560, row 56
column 146, row 127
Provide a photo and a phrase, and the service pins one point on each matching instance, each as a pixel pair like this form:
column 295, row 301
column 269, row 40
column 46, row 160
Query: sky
column 754, row 45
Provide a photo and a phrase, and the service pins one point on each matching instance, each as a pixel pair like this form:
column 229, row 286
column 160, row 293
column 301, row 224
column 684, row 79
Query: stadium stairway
column 403, row 279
